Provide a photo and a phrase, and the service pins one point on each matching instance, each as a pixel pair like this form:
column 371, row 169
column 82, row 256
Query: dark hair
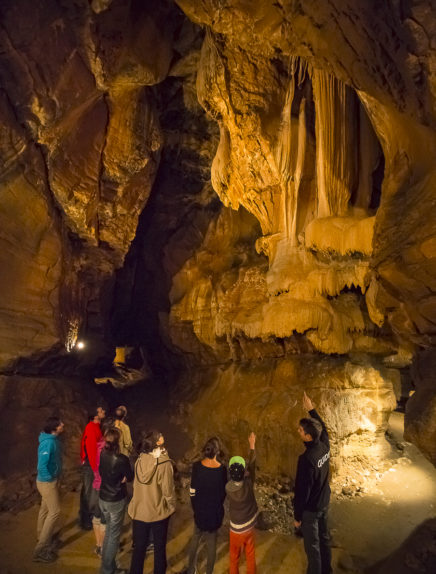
column 106, row 424
column 148, row 441
column 312, row 427
column 51, row 424
column 212, row 448
column 112, row 438
column 237, row 471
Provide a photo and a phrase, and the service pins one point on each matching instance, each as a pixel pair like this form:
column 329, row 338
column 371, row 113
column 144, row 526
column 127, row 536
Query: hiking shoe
column 97, row 550
column 46, row 557
column 150, row 548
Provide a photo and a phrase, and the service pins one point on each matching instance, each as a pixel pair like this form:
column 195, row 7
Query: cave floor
column 365, row 527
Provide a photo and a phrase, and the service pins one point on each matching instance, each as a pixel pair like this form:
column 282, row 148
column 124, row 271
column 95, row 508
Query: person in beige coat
column 153, row 502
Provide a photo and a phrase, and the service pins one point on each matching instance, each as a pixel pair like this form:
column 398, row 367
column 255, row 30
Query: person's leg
column 113, row 513
column 43, row 511
column 193, row 548
column 309, row 528
column 50, row 494
column 211, row 540
column 235, row 552
column 324, row 544
column 85, row 514
column 160, row 534
column 140, row 537
column 250, row 554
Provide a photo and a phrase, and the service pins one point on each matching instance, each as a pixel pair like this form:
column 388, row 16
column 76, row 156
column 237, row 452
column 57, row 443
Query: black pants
column 317, row 542
column 141, row 538
column 86, row 496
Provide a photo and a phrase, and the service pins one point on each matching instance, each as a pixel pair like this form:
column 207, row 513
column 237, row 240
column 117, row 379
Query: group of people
column 106, row 469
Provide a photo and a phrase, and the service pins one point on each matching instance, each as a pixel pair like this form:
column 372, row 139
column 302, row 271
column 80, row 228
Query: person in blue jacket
column 49, row 470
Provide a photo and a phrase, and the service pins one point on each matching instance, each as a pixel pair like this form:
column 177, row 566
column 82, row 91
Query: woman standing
column 208, row 483
column 115, row 471
column 153, row 502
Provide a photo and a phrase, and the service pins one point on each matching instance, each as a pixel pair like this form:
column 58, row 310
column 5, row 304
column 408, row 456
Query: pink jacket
column 97, row 478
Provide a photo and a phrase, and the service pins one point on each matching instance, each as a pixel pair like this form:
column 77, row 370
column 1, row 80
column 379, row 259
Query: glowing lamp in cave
column 80, row 345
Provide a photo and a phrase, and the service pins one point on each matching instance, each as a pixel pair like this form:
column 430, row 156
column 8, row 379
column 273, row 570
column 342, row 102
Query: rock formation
column 294, row 249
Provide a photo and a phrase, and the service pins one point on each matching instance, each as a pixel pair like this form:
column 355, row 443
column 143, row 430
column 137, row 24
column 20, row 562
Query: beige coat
column 126, row 444
column 154, row 496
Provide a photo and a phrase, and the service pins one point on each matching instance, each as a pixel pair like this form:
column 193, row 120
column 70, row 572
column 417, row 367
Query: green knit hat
column 237, row 459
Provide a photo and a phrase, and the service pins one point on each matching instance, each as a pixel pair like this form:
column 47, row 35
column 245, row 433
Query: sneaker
column 150, row 548
column 97, row 550
column 45, row 556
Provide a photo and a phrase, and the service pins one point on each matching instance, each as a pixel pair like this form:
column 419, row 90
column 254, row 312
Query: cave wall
column 80, row 143
column 326, row 116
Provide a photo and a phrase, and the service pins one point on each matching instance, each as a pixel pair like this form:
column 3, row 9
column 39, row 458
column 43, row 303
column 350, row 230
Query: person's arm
column 91, row 448
column 45, row 452
column 193, row 487
column 128, row 443
column 251, row 464
column 167, row 485
column 308, row 405
column 303, row 487
column 127, row 469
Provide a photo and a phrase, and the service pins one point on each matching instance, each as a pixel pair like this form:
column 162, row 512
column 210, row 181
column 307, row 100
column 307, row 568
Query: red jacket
column 90, row 438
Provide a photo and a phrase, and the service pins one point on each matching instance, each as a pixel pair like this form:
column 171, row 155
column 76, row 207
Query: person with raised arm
column 312, row 491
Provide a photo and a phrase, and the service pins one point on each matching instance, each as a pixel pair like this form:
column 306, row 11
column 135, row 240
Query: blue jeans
column 316, row 542
column 113, row 513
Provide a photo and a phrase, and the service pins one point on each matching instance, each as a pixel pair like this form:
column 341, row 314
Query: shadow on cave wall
column 171, row 226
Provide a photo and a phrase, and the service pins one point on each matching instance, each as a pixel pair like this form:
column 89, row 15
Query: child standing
column 243, row 509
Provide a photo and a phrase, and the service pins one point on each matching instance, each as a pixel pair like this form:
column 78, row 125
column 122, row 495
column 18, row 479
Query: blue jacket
column 49, row 458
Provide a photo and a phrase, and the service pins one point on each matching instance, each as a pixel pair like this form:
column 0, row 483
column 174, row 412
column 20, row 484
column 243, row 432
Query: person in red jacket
column 88, row 457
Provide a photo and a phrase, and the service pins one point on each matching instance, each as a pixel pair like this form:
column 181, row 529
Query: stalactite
column 290, row 150
column 335, row 143
column 369, row 156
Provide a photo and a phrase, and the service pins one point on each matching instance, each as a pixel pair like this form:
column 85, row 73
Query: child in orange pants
column 243, row 509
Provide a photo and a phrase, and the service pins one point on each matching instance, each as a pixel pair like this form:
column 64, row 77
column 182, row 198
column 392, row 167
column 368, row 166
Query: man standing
column 88, row 456
column 126, row 444
column 312, row 491
column 49, row 470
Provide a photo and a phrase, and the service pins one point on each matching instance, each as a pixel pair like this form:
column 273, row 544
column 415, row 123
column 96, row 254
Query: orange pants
column 239, row 542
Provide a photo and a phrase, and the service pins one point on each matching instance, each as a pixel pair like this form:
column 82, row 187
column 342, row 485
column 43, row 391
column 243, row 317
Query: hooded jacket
column 242, row 501
column 49, row 458
column 154, row 495
column 312, row 489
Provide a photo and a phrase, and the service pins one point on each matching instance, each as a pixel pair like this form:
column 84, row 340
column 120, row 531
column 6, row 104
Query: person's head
column 237, row 468
column 53, row 425
column 212, row 448
column 309, row 429
column 101, row 411
column 106, row 424
column 112, row 440
column 121, row 412
column 150, row 440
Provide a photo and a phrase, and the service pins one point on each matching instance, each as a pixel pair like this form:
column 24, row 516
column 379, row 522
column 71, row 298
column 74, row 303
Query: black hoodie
column 312, row 489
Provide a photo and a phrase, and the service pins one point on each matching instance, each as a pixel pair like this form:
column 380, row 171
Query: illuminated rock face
column 355, row 401
column 326, row 116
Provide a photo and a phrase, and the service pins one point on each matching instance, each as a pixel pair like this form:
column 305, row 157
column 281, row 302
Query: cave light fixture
column 80, row 345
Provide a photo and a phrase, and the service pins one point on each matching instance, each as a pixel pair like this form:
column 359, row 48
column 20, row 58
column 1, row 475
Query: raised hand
column 307, row 402
column 252, row 440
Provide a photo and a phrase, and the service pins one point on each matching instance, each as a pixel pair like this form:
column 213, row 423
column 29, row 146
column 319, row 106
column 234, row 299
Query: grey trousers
column 49, row 514
column 211, row 540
